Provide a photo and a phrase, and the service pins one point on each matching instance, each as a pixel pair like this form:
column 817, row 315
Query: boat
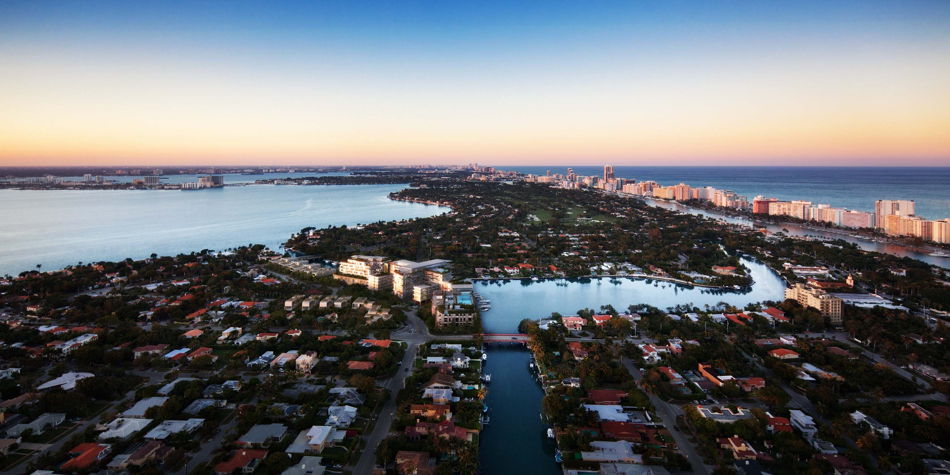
column 486, row 377
column 531, row 365
column 484, row 356
column 550, row 433
column 485, row 420
column 939, row 254
column 557, row 457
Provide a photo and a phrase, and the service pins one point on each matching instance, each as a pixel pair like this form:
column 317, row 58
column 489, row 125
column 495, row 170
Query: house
column 577, row 350
column 143, row 405
column 723, row 414
column 882, row 430
column 7, row 444
column 151, row 450
column 778, row 424
column 306, row 362
column 414, row 463
column 150, row 350
column 608, row 412
column 441, row 381
column 201, row 404
column 359, row 365
column 123, row 428
column 601, row 319
column 267, row 336
column 262, row 435
column 606, row 396
column 672, row 375
column 283, row 360
column 573, row 323
column 444, row 430
column 308, row 465
column 739, row 448
column 65, row 382
column 86, row 455
column 804, row 423
column 611, row 451
column 315, row 439
column 347, row 395
column 439, row 396
column 193, row 333
column 783, row 354
column 244, row 460
column 341, row 416
column 200, row 352
column 170, row 427
column 431, row 411
column 38, row 425
column 459, row 361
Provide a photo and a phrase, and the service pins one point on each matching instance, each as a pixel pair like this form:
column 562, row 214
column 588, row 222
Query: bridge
column 505, row 338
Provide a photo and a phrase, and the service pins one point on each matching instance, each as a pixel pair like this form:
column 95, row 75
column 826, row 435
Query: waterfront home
column 431, row 411
column 608, row 412
column 606, row 396
column 601, row 319
column 577, row 350
column 441, row 381
column 444, row 430
column 439, row 396
column 414, row 463
column 573, row 323
column 611, row 451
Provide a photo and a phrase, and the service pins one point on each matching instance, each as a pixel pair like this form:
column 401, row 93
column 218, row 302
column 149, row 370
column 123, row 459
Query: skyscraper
column 608, row 172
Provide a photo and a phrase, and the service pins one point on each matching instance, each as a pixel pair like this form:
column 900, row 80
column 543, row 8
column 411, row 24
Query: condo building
column 829, row 305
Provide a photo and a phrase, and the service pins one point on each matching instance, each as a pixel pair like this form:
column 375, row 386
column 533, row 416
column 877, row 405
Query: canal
column 515, row 440
column 514, row 300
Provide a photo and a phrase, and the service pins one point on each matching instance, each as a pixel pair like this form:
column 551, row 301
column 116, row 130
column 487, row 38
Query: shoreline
column 620, row 276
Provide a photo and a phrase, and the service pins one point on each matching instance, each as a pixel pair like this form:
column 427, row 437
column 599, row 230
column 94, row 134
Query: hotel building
column 829, row 305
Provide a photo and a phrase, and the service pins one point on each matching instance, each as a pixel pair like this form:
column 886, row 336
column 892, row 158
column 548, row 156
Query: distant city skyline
column 109, row 83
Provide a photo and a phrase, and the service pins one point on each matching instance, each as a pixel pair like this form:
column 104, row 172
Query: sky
column 547, row 82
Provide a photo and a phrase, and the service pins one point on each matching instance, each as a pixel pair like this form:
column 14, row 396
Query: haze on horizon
column 505, row 83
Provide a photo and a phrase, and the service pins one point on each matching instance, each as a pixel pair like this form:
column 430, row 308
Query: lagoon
column 514, row 300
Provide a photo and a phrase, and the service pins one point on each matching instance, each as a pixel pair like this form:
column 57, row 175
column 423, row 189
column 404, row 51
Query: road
column 668, row 413
column 414, row 334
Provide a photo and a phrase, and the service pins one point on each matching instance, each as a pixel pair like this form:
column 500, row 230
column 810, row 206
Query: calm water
column 848, row 187
column 58, row 228
column 515, row 441
column 515, row 300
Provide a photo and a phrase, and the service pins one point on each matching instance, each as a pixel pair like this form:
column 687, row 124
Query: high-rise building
column 760, row 204
column 884, row 208
column 608, row 172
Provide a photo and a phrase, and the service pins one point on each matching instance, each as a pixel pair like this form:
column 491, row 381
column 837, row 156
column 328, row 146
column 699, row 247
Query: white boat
column 484, row 356
column 550, row 433
column 939, row 254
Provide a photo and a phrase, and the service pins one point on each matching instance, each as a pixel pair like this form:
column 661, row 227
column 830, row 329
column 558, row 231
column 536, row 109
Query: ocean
column 846, row 187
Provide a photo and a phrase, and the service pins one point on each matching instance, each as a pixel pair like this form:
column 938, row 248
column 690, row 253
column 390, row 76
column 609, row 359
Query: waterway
column 865, row 243
column 514, row 300
column 515, row 441
column 56, row 228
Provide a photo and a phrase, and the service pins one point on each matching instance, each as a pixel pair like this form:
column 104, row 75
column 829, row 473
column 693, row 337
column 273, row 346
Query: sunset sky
column 532, row 82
